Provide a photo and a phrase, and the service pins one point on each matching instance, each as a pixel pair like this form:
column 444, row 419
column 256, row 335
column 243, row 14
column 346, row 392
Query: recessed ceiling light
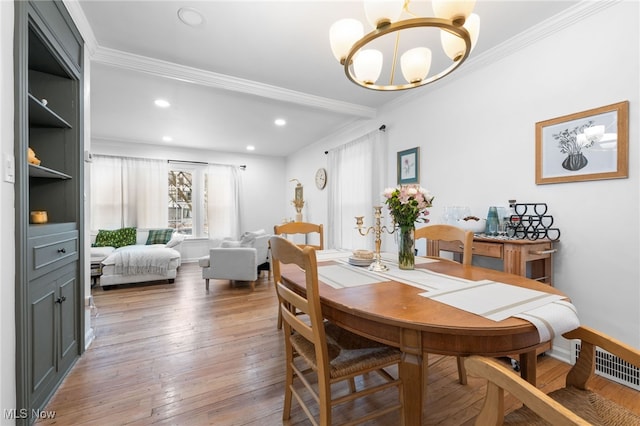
column 190, row 16
column 280, row 122
column 251, row 148
column 162, row 103
column 167, row 138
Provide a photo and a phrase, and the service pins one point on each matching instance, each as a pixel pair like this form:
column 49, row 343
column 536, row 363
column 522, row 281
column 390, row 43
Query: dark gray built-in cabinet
column 48, row 119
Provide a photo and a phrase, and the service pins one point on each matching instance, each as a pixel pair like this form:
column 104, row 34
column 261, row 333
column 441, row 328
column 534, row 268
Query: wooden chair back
column 434, row 234
column 307, row 340
column 583, row 401
column 303, row 228
column 293, row 305
column 441, row 232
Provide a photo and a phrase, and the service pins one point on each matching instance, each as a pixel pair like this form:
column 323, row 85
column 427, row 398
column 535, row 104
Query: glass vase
column 406, row 246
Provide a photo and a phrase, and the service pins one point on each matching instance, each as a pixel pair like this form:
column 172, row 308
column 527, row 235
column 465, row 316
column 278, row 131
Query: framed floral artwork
column 587, row 145
column 409, row 166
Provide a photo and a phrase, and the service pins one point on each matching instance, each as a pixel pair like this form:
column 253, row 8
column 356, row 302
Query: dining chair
column 317, row 347
column 305, row 228
column 440, row 232
column 577, row 403
column 300, row 228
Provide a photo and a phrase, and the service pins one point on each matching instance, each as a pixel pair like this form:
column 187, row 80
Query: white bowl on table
column 475, row 226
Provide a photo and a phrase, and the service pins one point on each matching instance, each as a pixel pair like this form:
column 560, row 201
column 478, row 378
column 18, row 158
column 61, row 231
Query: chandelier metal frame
column 452, row 26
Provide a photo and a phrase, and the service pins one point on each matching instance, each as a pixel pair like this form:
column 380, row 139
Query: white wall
column 262, row 192
column 7, row 218
column 303, row 166
column 476, row 135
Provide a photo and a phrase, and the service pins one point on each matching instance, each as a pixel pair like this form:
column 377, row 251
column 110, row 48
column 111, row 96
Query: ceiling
column 247, row 64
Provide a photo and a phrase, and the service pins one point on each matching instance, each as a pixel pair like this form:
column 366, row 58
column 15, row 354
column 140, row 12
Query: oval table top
column 448, row 330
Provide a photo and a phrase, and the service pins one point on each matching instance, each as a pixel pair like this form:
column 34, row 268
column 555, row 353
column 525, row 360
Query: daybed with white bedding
column 153, row 256
column 134, row 264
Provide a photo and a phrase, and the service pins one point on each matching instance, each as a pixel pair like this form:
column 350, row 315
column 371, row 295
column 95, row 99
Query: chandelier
column 363, row 63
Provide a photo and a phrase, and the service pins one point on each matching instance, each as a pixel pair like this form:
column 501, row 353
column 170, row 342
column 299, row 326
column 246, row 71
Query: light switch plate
column 8, row 168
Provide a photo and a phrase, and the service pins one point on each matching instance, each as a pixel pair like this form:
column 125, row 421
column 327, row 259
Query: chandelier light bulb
column 455, row 10
column 415, row 64
column 383, row 12
column 453, row 45
column 367, row 65
column 342, row 35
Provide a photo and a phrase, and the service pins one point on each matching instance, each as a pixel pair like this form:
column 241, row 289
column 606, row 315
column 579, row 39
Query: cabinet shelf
column 43, row 172
column 42, row 116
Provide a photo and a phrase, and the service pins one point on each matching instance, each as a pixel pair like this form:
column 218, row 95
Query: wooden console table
column 515, row 254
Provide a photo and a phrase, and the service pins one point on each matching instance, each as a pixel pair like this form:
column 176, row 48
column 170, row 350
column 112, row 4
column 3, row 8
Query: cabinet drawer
column 49, row 252
column 479, row 248
column 487, row 249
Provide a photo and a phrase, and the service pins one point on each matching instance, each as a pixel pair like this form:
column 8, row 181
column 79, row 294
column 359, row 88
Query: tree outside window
column 188, row 202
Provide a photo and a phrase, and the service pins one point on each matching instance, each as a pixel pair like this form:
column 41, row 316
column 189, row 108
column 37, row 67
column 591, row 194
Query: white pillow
column 230, row 244
column 247, row 239
column 175, row 240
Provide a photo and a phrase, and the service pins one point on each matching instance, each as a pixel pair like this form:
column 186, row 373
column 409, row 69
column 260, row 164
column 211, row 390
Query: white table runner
column 343, row 275
column 493, row 300
column 424, row 279
column 551, row 315
column 553, row 319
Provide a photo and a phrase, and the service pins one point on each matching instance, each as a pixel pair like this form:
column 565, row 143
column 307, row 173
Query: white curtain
column 223, row 202
column 129, row 192
column 358, row 180
column 146, row 192
column 106, row 193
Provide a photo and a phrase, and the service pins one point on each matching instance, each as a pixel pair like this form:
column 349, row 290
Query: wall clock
column 321, row 178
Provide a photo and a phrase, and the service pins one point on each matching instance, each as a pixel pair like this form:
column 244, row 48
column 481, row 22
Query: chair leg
column 253, row 286
column 288, row 383
column 206, row 284
column 462, row 371
column 279, row 318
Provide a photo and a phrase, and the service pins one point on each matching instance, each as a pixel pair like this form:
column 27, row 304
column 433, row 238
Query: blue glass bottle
column 492, row 221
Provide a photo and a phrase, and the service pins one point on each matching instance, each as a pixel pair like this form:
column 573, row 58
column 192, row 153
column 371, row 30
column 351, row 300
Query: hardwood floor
column 173, row 354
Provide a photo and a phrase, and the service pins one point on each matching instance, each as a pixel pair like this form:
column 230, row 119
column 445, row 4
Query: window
column 195, row 212
column 188, row 201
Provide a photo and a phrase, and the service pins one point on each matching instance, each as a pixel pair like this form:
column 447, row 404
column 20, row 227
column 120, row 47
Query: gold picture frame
column 587, row 145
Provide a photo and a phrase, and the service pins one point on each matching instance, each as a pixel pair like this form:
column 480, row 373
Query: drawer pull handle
column 550, row 251
column 62, row 250
column 61, row 299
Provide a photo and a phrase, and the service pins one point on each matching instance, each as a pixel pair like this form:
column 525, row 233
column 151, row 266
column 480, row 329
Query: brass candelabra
column 377, row 229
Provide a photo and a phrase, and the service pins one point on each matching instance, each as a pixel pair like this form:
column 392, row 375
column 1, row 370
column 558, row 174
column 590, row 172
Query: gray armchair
column 241, row 260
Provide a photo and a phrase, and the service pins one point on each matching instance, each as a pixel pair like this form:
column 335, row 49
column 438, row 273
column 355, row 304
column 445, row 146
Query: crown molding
column 201, row 77
column 179, row 72
column 546, row 28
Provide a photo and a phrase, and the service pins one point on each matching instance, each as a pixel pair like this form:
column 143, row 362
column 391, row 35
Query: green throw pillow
column 159, row 236
column 116, row 238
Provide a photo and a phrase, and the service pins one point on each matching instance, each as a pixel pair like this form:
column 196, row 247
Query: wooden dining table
column 394, row 313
